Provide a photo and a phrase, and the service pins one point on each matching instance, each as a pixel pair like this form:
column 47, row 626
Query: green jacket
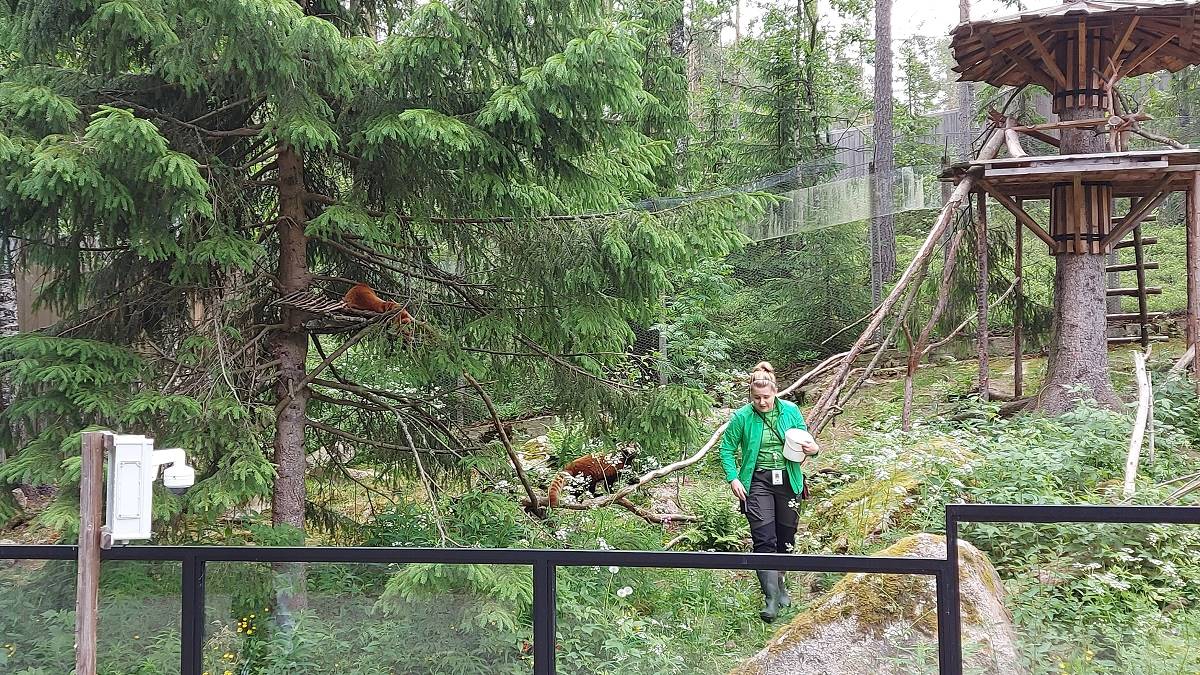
column 745, row 431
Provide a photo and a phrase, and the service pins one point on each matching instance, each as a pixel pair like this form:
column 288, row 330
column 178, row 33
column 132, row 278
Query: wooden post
column 1143, row 302
column 981, row 294
column 1019, row 312
column 87, row 588
column 1193, row 276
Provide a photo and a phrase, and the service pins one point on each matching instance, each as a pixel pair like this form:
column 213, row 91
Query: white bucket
column 793, row 447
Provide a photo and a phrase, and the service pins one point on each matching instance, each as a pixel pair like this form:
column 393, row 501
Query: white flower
column 624, row 592
column 561, row 535
column 956, row 482
column 602, row 544
column 613, row 569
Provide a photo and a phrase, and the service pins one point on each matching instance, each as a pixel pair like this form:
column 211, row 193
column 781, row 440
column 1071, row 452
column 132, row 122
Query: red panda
column 595, row 468
column 363, row 297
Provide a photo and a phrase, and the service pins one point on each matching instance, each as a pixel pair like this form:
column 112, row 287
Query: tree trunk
column 290, row 346
column 982, row 337
column 883, row 231
column 966, row 98
column 8, row 313
column 1077, row 367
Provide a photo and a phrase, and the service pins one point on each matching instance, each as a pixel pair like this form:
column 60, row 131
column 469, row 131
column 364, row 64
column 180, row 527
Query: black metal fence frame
column 545, row 563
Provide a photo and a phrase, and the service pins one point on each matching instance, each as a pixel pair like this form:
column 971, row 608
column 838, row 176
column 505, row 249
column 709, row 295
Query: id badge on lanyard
column 776, row 476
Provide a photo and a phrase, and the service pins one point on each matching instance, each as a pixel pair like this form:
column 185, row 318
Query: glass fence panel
column 360, row 619
column 643, row 621
column 1095, row 598
column 138, row 628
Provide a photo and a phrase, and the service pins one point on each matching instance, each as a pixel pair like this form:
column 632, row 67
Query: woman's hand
column 810, row 449
column 739, row 490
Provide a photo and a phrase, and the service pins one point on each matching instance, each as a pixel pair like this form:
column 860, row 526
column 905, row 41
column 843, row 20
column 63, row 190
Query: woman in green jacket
column 767, row 484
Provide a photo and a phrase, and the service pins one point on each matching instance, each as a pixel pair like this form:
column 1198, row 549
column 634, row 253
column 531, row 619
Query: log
column 1139, row 423
column 820, row 412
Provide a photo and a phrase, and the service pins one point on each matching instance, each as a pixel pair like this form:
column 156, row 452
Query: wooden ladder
column 1142, row 317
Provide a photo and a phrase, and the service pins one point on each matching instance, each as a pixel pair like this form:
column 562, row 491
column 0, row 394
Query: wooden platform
column 1135, row 173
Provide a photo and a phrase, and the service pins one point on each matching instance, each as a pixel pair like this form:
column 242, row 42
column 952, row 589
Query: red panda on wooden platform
column 595, row 469
column 363, row 297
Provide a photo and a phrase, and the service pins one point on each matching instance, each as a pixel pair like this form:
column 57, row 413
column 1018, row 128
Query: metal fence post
column 544, row 640
column 949, row 609
column 191, row 627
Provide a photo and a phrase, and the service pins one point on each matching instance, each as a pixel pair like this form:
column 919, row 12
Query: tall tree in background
column 883, row 167
column 966, row 99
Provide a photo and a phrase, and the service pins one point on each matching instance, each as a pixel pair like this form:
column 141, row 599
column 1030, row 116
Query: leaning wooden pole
column 981, row 295
column 1193, row 276
column 820, row 414
column 1019, row 309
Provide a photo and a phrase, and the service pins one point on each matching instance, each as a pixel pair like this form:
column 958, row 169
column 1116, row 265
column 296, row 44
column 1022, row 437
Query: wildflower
column 613, row 569
column 227, row 656
column 624, row 592
column 137, row 637
column 603, row 545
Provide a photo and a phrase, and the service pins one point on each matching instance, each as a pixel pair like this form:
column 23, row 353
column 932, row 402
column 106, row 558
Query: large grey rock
column 887, row 624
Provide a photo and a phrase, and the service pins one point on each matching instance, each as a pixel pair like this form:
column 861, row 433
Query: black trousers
column 773, row 514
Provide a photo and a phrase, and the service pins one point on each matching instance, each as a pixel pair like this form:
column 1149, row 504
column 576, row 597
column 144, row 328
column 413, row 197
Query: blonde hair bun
column 764, row 372
column 765, row 367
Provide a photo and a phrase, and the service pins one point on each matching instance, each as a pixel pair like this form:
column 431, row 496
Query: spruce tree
column 192, row 171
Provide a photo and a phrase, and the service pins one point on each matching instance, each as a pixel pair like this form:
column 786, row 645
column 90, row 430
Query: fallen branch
column 821, row 411
column 917, row 348
column 512, row 454
column 1183, row 362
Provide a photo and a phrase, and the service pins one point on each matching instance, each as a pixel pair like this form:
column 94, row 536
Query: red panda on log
column 595, row 469
column 363, row 297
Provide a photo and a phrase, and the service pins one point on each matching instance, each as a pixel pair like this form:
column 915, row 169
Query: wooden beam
column 1138, row 211
column 1142, row 57
column 1041, row 136
column 1075, row 124
column 981, row 295
column 1120, row 47
column 1017, row 211
column 1037, row 74
column 1193, row 275
column 1145, row 242
column 1012, row 139
column 1047, row 57
column 1133, row 292
column 1129, row 339
column 1076, row 222
column 1019, row 309
column 1131, row 267
column 1134, row 316
column 1135, row 216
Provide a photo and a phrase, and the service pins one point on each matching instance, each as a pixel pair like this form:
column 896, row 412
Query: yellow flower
column 229, row 672
column 251, row 616
column 227, row 656
column 137, row 637
column 239, row 629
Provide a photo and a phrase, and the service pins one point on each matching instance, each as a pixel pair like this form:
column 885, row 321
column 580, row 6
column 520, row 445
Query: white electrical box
column 131, row 473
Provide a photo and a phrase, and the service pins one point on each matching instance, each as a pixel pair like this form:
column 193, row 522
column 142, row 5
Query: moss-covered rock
column 851, row 517
column 886, row 624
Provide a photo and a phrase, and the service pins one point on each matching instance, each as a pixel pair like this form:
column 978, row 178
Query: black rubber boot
column 785, row 600
column 769, row 580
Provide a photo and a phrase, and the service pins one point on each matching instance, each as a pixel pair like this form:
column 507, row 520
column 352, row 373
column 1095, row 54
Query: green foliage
column 721, row 528
column 66, row 386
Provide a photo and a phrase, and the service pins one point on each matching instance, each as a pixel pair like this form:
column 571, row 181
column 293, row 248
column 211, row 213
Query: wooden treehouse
column 1099, row 191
